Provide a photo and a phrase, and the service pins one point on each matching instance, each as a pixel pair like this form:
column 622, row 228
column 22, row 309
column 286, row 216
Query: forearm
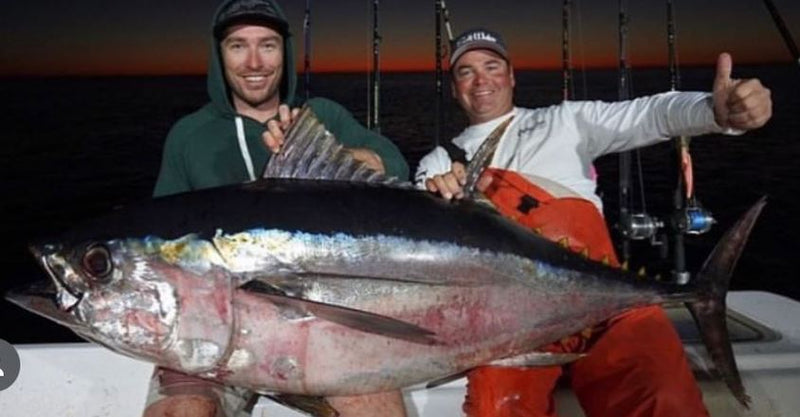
column 394, row 163
column 686, row 114
column 384, row 404
column 177, row 394
column 621, row 126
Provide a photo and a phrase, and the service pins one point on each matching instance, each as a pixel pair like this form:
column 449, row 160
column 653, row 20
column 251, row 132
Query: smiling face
column 253, row 59
column 483, row 84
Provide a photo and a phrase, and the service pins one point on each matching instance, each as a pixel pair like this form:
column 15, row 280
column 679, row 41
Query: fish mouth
column 52, row 299
column 48, row 257
column 42, row 298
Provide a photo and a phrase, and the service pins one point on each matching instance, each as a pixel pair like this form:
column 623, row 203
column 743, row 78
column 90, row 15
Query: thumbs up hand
column 739, row 104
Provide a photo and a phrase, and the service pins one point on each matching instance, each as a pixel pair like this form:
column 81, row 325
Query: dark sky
column 170, row 36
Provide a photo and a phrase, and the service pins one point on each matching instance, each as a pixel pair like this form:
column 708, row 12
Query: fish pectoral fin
column 356, row 319
column 534, row 359
column 314, row 406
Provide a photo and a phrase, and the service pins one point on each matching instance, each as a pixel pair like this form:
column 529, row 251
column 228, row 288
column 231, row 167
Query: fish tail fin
column 709, row 309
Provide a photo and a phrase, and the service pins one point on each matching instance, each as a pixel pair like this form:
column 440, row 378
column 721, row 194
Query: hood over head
column 266, row 12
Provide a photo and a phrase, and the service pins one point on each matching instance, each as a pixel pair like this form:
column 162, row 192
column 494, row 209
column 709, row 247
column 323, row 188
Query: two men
column 545, row 152
column 251, row 83
column 540, row 176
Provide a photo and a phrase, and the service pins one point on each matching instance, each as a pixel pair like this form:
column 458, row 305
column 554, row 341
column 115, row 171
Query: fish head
column 105, row 291
column 165, row 301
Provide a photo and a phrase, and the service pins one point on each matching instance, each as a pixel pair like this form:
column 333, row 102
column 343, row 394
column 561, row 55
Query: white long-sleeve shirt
column 559, row 143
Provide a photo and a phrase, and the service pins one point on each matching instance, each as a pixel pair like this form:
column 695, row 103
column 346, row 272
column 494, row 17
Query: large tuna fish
column 319, row 287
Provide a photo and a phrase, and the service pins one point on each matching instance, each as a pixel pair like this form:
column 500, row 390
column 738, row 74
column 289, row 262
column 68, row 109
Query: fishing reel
column 694, row 220
column 641, row 226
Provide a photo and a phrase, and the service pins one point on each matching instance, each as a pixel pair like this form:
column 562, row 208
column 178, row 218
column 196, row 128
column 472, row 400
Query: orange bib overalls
column 635, row 363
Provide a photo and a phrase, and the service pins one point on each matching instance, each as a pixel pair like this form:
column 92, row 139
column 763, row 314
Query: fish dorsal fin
column 483, row 157
column 310, row 151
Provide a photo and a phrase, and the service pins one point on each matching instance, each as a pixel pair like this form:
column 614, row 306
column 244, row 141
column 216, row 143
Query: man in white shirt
column 541, row 175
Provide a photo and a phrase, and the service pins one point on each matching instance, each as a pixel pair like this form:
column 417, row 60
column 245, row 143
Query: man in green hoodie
column 251, row 82
column 250, row 75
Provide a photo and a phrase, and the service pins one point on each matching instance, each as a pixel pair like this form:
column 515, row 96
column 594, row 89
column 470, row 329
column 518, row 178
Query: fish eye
column 97, row 263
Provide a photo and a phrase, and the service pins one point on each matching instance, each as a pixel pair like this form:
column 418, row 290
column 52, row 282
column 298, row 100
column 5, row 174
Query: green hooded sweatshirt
column 202, row 149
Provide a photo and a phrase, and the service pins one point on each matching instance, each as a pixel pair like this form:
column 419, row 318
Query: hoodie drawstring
column 248, row 162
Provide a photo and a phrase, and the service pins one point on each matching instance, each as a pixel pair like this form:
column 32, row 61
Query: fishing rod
column 570, row 14
column 688, row 217
column 373, row 118
column 625, row 203
column 680, row 274
column 438, row 74
column 307, row 49
column 787, row 36
column 566, row 58
column 442, row 15
column 631, row 225
column 672, row 55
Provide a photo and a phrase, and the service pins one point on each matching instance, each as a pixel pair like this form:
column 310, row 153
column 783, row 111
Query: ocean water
column 72, row 148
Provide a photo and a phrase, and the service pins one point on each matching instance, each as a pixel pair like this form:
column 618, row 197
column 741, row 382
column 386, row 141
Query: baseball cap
column 250, row 11
column 477, row 38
